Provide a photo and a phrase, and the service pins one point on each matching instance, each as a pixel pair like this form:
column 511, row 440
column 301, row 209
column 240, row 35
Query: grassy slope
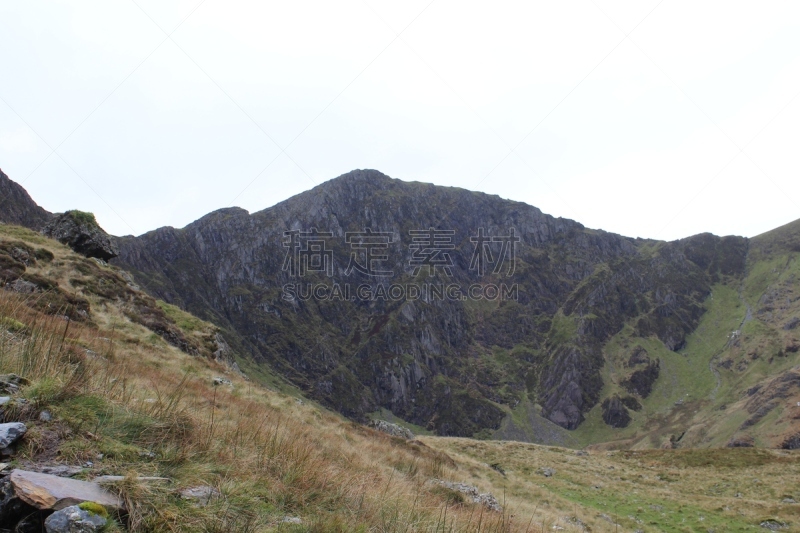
column 700, row 390
column 652, row 491
column 132, row 395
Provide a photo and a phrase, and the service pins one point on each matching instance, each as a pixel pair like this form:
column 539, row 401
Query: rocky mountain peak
column 17, row 207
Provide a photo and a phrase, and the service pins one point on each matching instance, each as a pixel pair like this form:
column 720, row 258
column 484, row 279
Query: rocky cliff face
column 17, row 207
column 452, row 362
column 81, row 232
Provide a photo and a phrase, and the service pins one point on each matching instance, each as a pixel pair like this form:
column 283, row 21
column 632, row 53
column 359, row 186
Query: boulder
column 81, row 232
column 45, row 491
column 11, row 432
column 73, row 519
column 486, row 499
column 392, row 429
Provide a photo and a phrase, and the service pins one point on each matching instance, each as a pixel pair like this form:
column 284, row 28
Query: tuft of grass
column 83, row 218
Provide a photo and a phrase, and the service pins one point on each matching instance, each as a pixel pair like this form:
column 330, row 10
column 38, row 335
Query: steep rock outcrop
column 81, row 232
column 17, row 207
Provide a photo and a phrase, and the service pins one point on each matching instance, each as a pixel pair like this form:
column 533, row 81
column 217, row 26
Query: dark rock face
column 614, row 413
column 631, row 403
column 792, row 442
column 443, row 363
column 17, row 207
column 641, row 381
column 81, row 232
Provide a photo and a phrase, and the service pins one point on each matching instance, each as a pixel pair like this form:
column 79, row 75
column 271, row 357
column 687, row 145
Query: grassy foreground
column 125, row 402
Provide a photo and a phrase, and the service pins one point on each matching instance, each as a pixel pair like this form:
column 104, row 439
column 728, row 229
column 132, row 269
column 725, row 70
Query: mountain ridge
column 564, row 350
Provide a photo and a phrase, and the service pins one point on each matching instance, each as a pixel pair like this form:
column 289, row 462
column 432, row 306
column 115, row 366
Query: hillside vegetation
column 130, row 384
column 124, row 401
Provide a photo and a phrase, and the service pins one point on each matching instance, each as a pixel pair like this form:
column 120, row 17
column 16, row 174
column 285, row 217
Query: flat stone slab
column 45, row 491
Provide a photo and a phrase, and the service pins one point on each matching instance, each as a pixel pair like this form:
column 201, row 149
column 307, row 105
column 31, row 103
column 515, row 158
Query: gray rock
column 547, row 471
column 21, row 286
column 81, row 232
column 45, row 416
column 773, row 525
column 60, row 470
column 486, row 499
column 45, row 491
column 201, row 494
column 221, row 381
column 73, row 519
column 4, row 400
column 11, row 432
column 394, row 430
column 291, row 520
column 788, row 500
column 223, row 352
column 10, row 383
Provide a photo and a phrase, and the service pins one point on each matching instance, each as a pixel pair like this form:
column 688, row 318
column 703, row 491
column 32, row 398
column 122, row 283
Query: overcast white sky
column 161, row 111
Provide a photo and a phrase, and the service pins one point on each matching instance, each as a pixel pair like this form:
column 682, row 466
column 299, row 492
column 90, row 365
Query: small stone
column 45, row 416
column 11, row 432
column 291, row 520
column 201, row 494
column 788, row 500
column 4, row 400
column 60, row 470
column 221, row 381
column 547, row 471
column 73, row 519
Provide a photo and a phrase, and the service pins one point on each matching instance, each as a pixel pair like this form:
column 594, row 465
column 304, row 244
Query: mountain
column 454, row 366
column 551, row 332
column 138, row 403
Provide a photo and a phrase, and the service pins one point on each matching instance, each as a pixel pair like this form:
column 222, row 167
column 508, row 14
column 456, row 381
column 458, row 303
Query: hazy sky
column 647, row 118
